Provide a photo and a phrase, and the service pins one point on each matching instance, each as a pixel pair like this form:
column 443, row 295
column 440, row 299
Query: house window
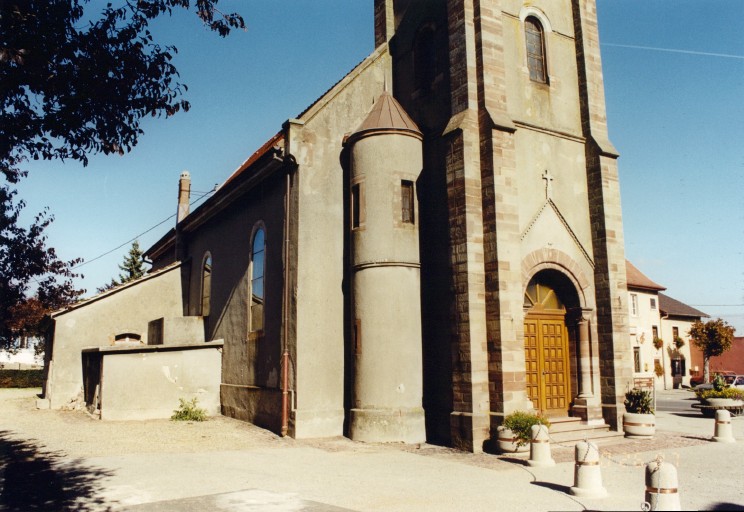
column 206, row 282
column 407, row 202
column 535, row 41
column 653, row 303
column 637, row 359
column 634, row 304
column 675, row 332
column 357, row 206
column 257, row 280
column 655, row 332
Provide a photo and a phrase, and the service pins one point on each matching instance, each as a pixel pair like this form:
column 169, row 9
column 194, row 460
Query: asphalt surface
column 52, row 460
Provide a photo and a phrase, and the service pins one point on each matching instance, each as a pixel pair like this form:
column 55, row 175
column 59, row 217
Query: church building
column 434, row 243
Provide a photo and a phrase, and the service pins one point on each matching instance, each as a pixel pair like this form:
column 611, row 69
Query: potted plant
column 516, row 431
column 679, row 342
column 658, row 343
column 721, row 394
column 639, row 421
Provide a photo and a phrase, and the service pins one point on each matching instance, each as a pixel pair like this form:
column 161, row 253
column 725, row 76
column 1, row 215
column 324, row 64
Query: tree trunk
column 706, row 369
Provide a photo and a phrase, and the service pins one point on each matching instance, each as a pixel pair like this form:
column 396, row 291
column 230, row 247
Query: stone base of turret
column 388, row 425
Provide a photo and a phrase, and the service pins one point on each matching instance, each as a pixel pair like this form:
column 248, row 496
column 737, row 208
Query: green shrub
column 638, row 401
column 719, row 383
column 520, row 423
column 21, row 378
column 188, row 411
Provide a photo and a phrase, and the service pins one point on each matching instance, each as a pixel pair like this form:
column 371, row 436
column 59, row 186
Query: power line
column 672, row 50
column 139, row 235
column 716, row 305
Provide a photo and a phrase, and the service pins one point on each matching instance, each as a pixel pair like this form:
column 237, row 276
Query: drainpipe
column 289, row 161
column 663, row 348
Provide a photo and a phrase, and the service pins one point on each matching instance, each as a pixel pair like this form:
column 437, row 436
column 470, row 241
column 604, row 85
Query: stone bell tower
column 386, row 342
column 519, row 191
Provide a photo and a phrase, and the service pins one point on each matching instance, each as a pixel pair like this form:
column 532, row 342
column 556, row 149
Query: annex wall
column 97, row 321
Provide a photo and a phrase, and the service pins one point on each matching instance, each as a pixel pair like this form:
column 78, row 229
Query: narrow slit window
column 357, row 206
column 535, row 41
column 407, row 202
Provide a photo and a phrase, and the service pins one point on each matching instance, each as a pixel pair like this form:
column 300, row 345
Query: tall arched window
column 206, row 285
column 258, row 251
column 535, row 41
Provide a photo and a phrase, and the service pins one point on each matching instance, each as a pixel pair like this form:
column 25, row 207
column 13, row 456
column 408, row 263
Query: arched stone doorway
column 550, row 301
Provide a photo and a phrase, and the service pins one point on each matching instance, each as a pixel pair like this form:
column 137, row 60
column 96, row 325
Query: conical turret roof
column 386, row 115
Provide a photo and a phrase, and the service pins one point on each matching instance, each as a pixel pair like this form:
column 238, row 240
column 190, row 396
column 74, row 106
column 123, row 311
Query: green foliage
column 21, row 378
column 638, row 401
column 713, row 337
column 133, row 267
column 79, row 77
column 33, row 280
column 719, row 383
column 521, row 422
column 188, row 411
column 679, row 342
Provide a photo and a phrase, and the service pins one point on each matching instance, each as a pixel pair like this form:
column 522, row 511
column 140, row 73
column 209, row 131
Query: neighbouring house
column 434, row 243
column 659, row 333
column 730, row 361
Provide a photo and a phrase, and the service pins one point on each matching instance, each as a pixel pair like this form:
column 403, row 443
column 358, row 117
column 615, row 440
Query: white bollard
column 540, row 447
column 662, row 486
column 587, row 473
column 723, row 432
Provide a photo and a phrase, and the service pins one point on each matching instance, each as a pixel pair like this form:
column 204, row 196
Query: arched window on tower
column 424, row 58
column 258, row 251
column 206, row 284
column 535, row 42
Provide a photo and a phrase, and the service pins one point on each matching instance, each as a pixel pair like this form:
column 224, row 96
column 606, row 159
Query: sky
column 674, row 87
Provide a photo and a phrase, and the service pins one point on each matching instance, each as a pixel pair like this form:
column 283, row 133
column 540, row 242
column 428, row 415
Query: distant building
column 659, row 333
column 731, row 360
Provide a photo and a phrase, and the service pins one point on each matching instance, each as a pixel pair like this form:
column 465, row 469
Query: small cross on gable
column 548, row 185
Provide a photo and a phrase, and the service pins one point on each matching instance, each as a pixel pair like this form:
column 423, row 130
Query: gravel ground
column 79, row 435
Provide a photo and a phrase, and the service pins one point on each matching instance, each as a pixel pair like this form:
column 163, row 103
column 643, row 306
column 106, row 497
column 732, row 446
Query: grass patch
column 21, row 378
column 188, row 411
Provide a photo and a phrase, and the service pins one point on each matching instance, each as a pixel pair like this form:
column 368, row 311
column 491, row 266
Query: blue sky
column 674, row 83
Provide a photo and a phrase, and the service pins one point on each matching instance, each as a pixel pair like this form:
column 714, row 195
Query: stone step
column 581, row 432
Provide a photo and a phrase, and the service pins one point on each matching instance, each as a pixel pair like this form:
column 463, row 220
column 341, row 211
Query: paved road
column 676, row 400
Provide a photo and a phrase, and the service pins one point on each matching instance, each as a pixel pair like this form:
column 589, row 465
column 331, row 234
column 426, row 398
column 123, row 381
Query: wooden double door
column 546, row 357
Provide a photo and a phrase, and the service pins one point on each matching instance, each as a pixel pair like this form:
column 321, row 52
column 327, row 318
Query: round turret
column 386, row 160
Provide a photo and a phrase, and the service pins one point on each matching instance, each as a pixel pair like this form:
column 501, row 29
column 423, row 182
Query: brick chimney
column 184, row 195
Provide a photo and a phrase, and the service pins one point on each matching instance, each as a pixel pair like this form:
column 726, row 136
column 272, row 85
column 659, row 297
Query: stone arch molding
column 529, row 10
column 543, row 259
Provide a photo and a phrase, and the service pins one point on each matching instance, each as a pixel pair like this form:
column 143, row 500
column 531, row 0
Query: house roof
column 638, row 280
column 673, row 307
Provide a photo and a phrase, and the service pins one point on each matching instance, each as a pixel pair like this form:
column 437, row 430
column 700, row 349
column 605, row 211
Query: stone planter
column 508, row 442
column 639, row 426
column 723, row 402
